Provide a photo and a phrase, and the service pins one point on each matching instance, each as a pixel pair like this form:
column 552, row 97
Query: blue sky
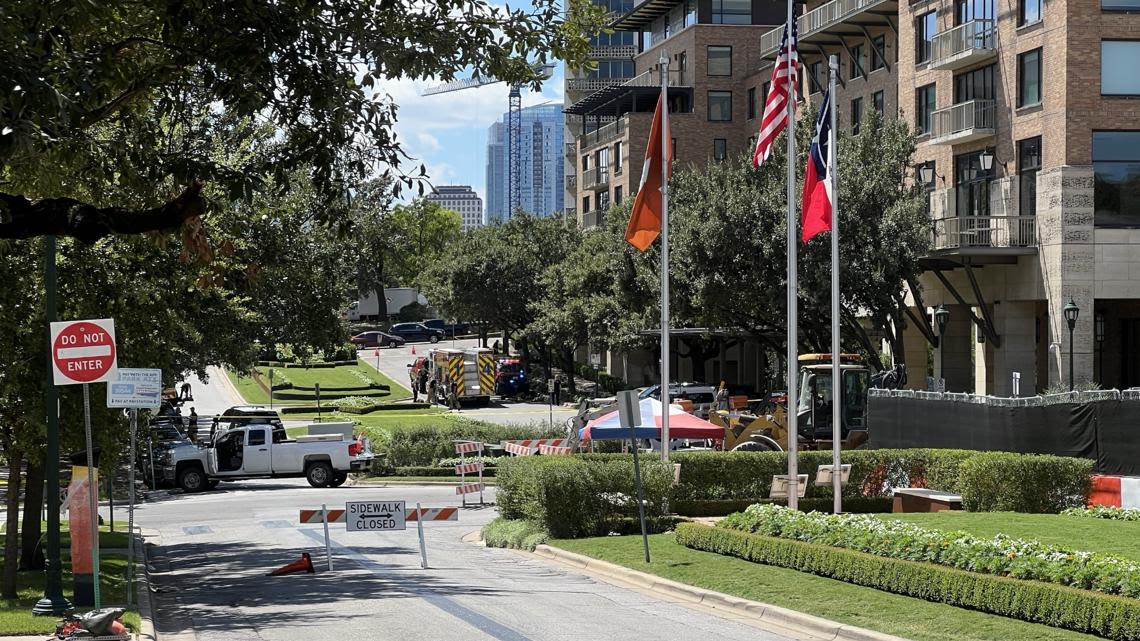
column 448, row 132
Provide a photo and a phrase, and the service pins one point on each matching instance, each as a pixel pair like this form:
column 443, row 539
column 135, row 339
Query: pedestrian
column 423, row 380
column 415, row 387
column 185, row 395
column 192, row 426
column 557, row 390
column 496, row 347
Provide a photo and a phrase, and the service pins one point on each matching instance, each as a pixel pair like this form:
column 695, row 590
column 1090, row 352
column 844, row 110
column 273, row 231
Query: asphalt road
column 210, row 554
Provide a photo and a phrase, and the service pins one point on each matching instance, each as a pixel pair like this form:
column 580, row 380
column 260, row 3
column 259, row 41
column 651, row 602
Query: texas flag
column 645, row 219
column 818, row 194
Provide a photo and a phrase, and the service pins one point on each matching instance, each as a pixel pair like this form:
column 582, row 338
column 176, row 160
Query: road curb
column 797, row 622
column 142, row 592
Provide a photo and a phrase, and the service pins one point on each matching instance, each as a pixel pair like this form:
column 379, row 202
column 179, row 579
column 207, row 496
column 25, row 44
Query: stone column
column 1015, row 324
column 917, row 351
column 958, row 347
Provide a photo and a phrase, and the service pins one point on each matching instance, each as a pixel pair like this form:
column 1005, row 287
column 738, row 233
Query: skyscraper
column 541, row 166
column 460, row 198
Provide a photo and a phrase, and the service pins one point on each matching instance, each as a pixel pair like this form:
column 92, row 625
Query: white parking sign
column 373, row 516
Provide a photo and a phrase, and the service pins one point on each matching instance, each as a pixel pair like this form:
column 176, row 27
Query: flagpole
column 664, row 255
column 793, row 334
column 837, row 387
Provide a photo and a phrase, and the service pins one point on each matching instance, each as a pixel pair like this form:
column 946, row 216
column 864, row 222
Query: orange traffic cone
column 305, row 563
column 413, row 349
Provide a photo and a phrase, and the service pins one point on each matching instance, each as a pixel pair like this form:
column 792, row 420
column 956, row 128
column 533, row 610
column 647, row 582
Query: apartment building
column 1030, row 150
column 540, row 164
column 462, row 199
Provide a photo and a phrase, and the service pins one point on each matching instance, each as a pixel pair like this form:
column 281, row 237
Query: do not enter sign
column 83, row 351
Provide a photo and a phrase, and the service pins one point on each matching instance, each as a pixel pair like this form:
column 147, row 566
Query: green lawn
column 107, row 538
column 16, row 616
column 1121, row 538
column 345, row 376
column 850, row 604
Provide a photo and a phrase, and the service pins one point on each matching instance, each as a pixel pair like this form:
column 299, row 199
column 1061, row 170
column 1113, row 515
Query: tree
column 420, row 233
column 84, row 76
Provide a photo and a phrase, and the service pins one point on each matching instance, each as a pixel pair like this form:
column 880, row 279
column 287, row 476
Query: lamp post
column 1071, row 313
column 941, row 318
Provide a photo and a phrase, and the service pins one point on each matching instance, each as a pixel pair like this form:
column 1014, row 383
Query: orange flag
column 645, row 220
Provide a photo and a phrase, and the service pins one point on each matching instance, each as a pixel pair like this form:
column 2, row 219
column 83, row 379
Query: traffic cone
column 305, row 563
column 413, row 349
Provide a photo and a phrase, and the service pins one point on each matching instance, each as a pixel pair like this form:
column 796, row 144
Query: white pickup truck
column 263, row 450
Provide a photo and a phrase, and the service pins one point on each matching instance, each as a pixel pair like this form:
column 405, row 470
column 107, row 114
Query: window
column 1028, row 164
column 968, row 10
column 877, row 102
column 257, row 437
column 974, row 85
column 720, row 149
column 1029, row 78
column 751, row 103
column 719, row 60
column 856, row 115
column 585, row 203
column 1029, row 11
column 973, row 186
column 617, row 195
column 1120, row 5
column 617, row 158
column 732, row 11
column 815, row 78
column 682, row 68
column 1116, row 175
column 1119, row 73
column 925, row 26
column 720, row 106
column 766, row 89
column 878, row 43
column 586, row 163
column 857, row 62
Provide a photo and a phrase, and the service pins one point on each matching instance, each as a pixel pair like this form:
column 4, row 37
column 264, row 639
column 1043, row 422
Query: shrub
column 1104, row 512
column 851, row 505
column 428, row 444
column 488, row 461
column 1110, row 616
column 443, row 473
column 1036, row 483
column 574, row 497
column 1001, row 555
column 521, row 535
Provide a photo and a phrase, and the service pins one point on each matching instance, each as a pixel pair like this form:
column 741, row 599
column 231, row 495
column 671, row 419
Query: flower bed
column 1001, row 555
column 1105, row 512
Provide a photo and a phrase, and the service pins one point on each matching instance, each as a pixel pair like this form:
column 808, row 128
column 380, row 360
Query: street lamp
column 1071, row 313
column 941, row 318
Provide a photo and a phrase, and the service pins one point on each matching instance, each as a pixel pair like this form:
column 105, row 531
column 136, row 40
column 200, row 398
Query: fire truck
column 460, row 376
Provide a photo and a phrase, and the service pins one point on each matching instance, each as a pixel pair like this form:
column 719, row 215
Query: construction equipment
column 514, row 123
column 748, row 431
column 458, row 376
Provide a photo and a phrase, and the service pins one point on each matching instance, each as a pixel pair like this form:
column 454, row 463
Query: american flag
column 776, row 105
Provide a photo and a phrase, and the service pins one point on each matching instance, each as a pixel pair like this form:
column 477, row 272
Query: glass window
column 972, row 184
column 925, row 26
column 1116, row 173
column 585, row 203
column 751, row 103
column 857, row 62
column 720, row 105
column 732, row 11
column 1029, row 78
column 877, row 101
column 1028, row 164
column 967, row 10
column 856, row 115
column 815, row 77
column 1119, row 73
column 586, row 163
column 719, row 60
column 617, row 158
column 720, row 148
column 1120, row 5
column 1029, row 11
column 257, row 437
column 617, row 195
column 767, row 89
column 924, row 102
column 974, row 85
column 878, row 44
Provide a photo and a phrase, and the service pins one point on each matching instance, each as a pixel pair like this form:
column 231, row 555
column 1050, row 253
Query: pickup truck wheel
column 338, row 479
column 319, row 474
column 192, row 479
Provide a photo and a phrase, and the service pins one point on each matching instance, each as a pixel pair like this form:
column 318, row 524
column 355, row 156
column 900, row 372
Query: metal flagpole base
column 52, row 605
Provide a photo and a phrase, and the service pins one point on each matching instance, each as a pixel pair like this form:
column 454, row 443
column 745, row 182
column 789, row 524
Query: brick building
column 1029, row 148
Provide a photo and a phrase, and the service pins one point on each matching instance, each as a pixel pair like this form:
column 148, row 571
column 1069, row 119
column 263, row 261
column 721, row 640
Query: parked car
column 449, row 329
column 376, row 339
column 416, row 332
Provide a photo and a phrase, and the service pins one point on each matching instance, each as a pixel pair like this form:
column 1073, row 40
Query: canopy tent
column 607, row 427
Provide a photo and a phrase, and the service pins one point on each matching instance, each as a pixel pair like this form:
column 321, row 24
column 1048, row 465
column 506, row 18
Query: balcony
column 596, row 178
column 985, row 232
column 571, row 181
column 592, row 84
column 623, row 52
column 571, row 150
column 963, row 122
column 592, row 219
column 829, row 18
column 604, row 134
column 963, row 45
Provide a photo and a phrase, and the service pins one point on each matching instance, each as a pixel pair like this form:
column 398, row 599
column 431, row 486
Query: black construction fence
column 1103, row 426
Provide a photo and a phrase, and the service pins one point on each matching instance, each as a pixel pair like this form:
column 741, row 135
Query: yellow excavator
column 748, row 431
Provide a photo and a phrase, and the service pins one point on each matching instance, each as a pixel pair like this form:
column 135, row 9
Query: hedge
column 521, row 535
column 1035, row 483
column 416, row 445
column 442, row 472
column 572, row 497
column 1104, row 512
column 1109, row 616
column 723, row 507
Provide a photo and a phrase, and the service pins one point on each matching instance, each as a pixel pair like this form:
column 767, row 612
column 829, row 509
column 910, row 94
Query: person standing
column 415, row 387
column 185, row 392
column 558, row 390
column 192, row 426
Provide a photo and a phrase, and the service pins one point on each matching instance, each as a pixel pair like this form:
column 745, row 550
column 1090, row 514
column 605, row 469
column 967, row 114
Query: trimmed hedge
column 1035, row 483
column 573, row 497
column 1104, row 512
column 1109, row 616
column 851, row 505
column 520, row 535
column 442, row 472
column 428, row 444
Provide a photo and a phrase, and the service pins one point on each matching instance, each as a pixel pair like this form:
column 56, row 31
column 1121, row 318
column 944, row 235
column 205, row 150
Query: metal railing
column 962, row 120
column 604, row 134
column 818, row 19
column 957, row 232
column 592, row 219
column 596, row 177
column 591, row 84
column 961, row 41
column 613, row 51
column 1088, row 396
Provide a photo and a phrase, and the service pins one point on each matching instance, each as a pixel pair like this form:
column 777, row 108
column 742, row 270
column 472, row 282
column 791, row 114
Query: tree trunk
column 506, row 342
column 483, row 335
column 11, row 543
column 31, row 553
column 568, row 365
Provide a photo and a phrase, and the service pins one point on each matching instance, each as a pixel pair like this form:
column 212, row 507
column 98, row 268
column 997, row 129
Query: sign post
column 325, row 520
column 629, row 415
column 420, row 530
column 270, row 388
column 83, row 352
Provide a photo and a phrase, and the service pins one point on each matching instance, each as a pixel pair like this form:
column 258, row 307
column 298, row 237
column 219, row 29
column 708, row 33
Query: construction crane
column 514, row 124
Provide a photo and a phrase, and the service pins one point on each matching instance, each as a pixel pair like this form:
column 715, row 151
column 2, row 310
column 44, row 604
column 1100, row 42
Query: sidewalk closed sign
column 374, row 516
